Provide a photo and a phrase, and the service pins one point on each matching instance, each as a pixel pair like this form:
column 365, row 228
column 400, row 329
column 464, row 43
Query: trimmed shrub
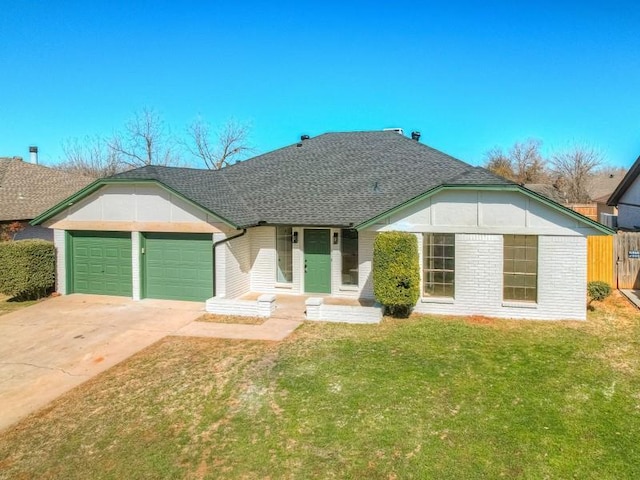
column 598, row 290
column 27, row 268
column 396, row 272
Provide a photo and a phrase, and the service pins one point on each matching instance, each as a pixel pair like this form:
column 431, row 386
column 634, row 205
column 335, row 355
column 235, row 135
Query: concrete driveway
column 49, row 348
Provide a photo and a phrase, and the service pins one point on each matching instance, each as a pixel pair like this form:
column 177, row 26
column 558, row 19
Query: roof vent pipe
column 304, row 137
column 33, row 154
column 415, row 136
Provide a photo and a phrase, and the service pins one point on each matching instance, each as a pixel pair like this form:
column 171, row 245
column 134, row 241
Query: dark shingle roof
column 333, row 179
column 26, row 190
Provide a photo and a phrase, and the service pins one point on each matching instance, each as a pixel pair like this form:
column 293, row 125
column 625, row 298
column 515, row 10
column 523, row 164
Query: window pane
column 284, row 254
column 349, row 253
column 439, row 264
column 520, row 268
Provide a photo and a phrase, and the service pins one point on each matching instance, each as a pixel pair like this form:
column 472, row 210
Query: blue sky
column 468, row 75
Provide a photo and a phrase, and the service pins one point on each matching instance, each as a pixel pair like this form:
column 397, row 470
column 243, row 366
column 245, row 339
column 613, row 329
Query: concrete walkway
column 272, row 329
column 633, row 296
column 49, row 348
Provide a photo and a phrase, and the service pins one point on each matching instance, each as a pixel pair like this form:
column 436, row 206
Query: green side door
column 177, row 266
column 317, row 261
column 101, row 263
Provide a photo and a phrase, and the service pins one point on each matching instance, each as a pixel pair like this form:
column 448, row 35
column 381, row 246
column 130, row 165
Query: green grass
column 418, row 398
column 8, row 304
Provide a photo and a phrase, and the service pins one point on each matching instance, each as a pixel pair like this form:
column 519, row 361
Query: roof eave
column 491, row 187
column 98, row 184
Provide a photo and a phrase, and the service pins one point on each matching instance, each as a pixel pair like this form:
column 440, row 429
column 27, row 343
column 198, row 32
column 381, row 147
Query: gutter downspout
column 215, row 244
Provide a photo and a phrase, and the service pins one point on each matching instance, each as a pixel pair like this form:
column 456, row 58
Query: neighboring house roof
column 604, row 183
column 332, row 179
column 26, row 189
column 626, row 182
column 336, row 179
column 546, row 190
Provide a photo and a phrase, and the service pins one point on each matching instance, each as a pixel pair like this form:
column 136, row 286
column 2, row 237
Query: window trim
column 349, row 286
column 514, row 302
column 430, row 298
column 278, row 282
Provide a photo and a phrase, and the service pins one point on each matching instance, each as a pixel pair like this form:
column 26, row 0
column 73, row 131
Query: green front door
column 177, row 266
column 101, row 263
column 317, row 261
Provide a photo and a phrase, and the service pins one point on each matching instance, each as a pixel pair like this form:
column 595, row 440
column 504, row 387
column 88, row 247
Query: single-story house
column 302, row 220
column 27, row 189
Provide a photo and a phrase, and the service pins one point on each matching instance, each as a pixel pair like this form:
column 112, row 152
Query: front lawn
column 419, row 398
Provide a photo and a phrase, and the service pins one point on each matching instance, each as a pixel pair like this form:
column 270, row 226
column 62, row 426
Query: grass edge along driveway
column 428, row 397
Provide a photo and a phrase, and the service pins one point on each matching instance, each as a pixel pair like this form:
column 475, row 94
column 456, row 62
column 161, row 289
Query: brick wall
column 562, row 275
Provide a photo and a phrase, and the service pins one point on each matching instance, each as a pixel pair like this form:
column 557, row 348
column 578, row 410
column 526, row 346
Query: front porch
column 298, row 307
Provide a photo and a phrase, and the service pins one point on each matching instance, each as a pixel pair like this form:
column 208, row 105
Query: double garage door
column 172, row 266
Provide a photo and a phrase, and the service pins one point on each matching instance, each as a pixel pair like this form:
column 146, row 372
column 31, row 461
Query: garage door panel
column 178, row 266
column 101, row 263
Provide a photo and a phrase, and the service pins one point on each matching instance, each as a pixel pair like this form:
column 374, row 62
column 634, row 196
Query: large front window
column 521, row 267
column 284, row 253
column 439, row 264
column 349, row 251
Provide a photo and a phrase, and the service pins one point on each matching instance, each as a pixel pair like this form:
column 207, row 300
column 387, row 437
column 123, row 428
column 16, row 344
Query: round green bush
column 396, row 272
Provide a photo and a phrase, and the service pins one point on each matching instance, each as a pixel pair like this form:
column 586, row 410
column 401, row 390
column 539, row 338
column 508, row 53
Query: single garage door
column 178, row 266
column 101, row 263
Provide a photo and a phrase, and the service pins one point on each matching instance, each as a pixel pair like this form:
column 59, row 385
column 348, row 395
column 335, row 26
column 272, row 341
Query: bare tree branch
column 528, row 164
column 90, row 156
column 146, row 140
column 574, row 168
column 497, row 162
column 228, row 146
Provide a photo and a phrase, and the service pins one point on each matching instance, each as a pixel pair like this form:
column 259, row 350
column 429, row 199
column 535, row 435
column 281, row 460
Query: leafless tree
column 497, row 162
column 217, row 149
column 145, row 140
column 574, row 168
column 90, row 156
column 522, row 164
column 528, row 164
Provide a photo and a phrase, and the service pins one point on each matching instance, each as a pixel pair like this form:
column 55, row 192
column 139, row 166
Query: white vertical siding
column 135, row 264
column 365, row 260
column 61, row 272
column 238, row 266
column 220, row 266
column 263, row 259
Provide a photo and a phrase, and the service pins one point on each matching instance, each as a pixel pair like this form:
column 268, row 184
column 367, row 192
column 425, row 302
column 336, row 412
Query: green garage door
column 177, row 266
column 101, row 263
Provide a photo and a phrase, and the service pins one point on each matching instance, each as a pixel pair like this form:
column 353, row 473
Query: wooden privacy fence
column 627, row 259
column 600, row 259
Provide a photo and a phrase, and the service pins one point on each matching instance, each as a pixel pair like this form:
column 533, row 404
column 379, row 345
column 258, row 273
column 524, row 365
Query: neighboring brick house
column 27, row 190
column 302, row 220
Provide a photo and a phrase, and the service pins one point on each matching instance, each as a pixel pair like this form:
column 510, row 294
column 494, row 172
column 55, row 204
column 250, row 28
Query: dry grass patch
column 209, row 317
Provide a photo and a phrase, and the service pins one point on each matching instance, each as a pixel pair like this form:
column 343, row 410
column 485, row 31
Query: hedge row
column 27, row 268
column 396, row 272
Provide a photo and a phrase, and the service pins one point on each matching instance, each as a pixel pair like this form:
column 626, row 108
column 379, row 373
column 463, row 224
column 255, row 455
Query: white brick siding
column 61, row 278
column 478, row 280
